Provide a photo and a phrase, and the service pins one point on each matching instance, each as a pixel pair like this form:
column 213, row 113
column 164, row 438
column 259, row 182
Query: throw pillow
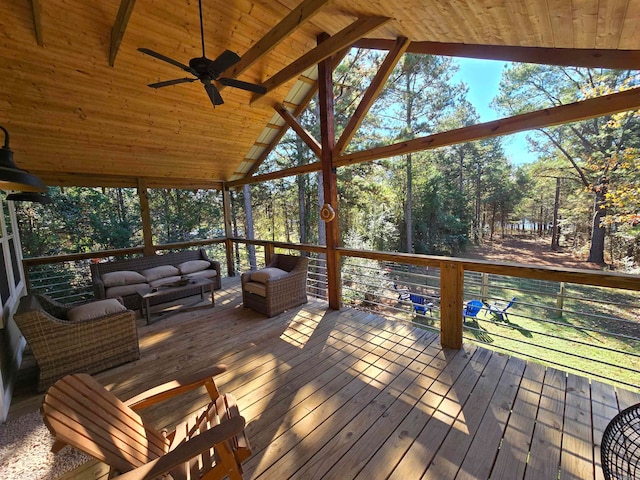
column 124, row 277
column 162, row 271
column 269, row 273
column 193, row 266
column 93, row 310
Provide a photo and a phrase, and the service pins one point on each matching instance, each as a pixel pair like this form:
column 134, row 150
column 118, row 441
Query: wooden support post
column 269, row 250
column 329, row 177
column 451, row 287
column 147, row 236
column 228, row 230
column 484, row 289
column 560, row 299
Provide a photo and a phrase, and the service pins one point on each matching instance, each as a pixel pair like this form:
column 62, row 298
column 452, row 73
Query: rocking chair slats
column 80, row 412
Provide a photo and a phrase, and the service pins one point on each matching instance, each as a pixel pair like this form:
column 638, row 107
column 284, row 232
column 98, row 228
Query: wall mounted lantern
column 12, row 177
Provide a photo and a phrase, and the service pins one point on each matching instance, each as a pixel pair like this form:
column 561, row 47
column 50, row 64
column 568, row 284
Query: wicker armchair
column 281, row 285
column 61, row 346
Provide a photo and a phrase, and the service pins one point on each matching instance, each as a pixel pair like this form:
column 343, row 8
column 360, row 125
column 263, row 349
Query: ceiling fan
column 206, row 70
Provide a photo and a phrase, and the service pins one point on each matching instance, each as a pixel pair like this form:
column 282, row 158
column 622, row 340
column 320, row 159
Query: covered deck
column 348, row 394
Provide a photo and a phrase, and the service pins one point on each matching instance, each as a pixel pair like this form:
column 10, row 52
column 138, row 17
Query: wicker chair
column 61, row 346
column 620, row 449
column 281, row 285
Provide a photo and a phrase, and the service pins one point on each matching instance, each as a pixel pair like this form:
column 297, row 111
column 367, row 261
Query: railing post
column 484, row 289
column 269, row 250
column 451, row 287
column 147, row 236
column 560, row 299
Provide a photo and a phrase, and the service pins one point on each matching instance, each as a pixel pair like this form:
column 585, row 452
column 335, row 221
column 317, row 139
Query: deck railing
column 581, row 320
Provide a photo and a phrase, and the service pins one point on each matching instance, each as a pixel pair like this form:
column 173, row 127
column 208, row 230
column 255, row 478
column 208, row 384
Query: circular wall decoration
column 327, row 213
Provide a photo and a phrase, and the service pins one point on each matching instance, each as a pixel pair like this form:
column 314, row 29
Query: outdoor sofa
column 134, row 276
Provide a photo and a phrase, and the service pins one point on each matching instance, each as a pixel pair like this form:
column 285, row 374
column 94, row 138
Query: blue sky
column 483, row 79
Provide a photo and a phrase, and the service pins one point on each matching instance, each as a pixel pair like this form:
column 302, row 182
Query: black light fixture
column 36, row 197
column 12, row 177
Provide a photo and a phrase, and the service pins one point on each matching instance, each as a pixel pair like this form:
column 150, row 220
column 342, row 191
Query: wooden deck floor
column 350, row 395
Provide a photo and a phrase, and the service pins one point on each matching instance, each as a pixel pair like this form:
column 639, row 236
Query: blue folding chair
column 500, row 310
column 471, row 309
column 420, row 304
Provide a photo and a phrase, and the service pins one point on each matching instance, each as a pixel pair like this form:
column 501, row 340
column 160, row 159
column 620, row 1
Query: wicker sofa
column 71, row 338
column 129, row 275
column 281, row 285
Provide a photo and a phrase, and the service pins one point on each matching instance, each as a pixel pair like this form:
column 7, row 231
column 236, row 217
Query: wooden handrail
column 451, row 271
column 554, row 274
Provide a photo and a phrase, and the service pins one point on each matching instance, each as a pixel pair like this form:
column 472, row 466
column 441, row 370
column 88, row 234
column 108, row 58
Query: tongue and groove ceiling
column 74, row 118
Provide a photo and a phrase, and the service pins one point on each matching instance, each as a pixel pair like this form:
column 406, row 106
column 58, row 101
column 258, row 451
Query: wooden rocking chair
column 212, row 445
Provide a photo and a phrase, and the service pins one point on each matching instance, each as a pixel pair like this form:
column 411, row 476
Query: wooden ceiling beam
column 306, row 137
column 340, row 40
column 572, row 112
column 337, row 58
column 119, row 27
column 286, row 172
column 576, row 57
column 370, row 96
column 37, row 22
column 284, row 28
column 117, row 181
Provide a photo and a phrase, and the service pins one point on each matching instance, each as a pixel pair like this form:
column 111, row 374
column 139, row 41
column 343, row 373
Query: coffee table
column 167, row 291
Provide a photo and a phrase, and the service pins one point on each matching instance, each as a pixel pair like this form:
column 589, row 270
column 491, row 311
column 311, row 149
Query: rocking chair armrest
column 173, row 388
column 187, row 450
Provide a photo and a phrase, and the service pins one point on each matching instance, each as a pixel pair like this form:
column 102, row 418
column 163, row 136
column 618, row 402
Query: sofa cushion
column 193, row 266
column 97, row 309
column 123, row 277
column 125, row 290
column 163, row 281
column 210, row 273
column 256, row 288
column 269, row 273
column 151, row 274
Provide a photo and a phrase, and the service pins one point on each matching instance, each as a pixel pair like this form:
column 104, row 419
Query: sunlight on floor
column 299, row 330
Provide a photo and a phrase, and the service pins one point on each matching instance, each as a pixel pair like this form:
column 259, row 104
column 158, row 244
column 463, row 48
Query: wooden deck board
column 351, row 395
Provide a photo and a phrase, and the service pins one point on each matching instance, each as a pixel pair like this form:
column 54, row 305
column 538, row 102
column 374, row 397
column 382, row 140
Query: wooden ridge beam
column 271, row 39
column 576, row 57
column 594, row 107
column 119, row 27
column 37, row 22
column 370, row 96
column 340, row 40
column 306, row 137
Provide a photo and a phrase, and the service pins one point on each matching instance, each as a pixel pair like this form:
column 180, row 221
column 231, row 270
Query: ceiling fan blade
column 225, row 60
column 251, row 87
column 164, row 58
column 214, row 94
column 166, row 83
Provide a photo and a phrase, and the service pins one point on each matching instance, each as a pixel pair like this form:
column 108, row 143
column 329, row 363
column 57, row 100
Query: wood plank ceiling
column 74, row 95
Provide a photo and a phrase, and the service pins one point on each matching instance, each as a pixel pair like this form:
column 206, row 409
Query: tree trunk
column 249, row 232
column 408, row 207
column 555, row 233
column 301, row 181
column 596, row 252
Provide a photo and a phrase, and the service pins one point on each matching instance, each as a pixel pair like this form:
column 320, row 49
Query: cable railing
column 575, row 320
column 591, row 330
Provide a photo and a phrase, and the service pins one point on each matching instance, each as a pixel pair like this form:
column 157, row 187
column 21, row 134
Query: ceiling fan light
column 12, row 177
column 35, row 197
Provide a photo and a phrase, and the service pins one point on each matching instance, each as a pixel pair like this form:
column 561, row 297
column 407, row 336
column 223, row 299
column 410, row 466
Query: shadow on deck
column 346, row 395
